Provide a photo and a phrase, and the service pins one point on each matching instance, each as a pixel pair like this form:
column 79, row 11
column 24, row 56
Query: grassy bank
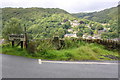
column 71, row 52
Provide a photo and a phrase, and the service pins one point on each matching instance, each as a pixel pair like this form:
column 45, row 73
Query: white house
column 70, row 35
column 74, row 23
column 86, row 36
column 70, row 30
column 96, row 37
column 91, row 37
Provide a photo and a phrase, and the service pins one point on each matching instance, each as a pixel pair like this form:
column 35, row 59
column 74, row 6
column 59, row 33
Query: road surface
column 1, row 41
column 20, row 67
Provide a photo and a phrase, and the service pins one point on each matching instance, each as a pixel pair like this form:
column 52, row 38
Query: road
column 20, row 67
column 1, row 41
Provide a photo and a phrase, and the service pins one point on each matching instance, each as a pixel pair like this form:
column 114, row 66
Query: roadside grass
column 85, row 51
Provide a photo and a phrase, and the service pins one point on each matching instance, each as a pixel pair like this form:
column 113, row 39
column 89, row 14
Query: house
column 96, row 36
column 70, row 30
column 106, row 29
column 89, row 37
column 86, row 37
column 74, row 23
column 75, row 32
column 105, row 24
column 70, row 35
column 101, row 31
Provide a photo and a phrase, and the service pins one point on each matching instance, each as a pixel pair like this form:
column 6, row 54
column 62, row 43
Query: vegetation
column 48, row 22
column 40, row 22
column 73, row 50
column 45, row 23
column 103, row 16
column 108, row 17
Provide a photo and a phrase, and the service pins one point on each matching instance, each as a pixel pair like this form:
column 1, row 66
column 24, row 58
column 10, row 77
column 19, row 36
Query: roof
column 70, row 34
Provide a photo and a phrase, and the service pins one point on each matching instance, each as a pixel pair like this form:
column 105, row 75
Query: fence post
column 21, row 44
column 56, row 42
column 12, row 43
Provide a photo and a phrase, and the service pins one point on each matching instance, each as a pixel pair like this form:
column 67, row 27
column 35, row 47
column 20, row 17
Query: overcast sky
column 72, row 6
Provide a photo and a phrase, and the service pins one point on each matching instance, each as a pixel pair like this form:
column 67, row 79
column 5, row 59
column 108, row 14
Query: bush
column 6, row 45
column 69, row 56
column 74, row 50
column 45, row 45
column 50, row 55
column 31, row 47
column 73, row 43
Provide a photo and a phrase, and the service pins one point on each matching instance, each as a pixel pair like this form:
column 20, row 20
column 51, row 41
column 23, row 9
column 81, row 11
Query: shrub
column 31, row 47
column 69, row 55
column 73, row 43
column 44, row 46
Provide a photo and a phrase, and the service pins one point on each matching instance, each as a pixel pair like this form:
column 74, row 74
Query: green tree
column 67, row 25
column 80, row 33
column 88, row 30
column 13, row 26
column 99, row 27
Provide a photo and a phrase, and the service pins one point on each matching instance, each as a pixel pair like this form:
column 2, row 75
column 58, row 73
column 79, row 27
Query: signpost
column 26, row 40
column 17, row 37
column 14, row 37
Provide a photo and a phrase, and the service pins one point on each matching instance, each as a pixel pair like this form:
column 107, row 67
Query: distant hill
column 48, row 22
column 40, row 22
column 102, row 16
column 30, row 13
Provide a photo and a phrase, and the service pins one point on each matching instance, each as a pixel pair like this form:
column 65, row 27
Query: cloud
column 93, row 6
column 71, row 6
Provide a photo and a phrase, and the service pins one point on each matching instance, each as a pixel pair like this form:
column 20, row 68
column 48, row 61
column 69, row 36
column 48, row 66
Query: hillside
column 42, row 24
column 28, row 13
column 39, row 21
column 48, row 22
column 102, row 16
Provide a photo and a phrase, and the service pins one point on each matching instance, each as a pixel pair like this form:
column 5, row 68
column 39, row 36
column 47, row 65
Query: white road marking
column 68, row 62
column 39, row 61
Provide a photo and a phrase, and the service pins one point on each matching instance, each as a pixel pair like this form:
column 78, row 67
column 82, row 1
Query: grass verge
column 91, row 51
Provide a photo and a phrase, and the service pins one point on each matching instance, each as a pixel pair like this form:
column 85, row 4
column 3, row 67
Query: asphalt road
column 1, row 40
column 20, row 67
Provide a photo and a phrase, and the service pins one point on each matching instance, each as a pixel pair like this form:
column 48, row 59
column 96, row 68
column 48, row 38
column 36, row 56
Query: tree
column 80, row 33
column 81, row 26
column 99, row 27
column 67, row 25
column 61, row 32
column 88, row 30
column 13, row 26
